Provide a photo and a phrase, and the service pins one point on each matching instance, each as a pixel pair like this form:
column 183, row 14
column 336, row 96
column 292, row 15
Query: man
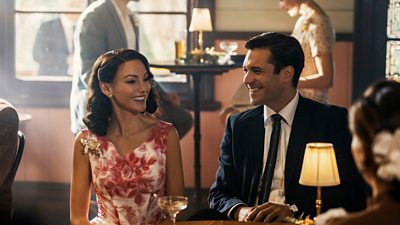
column 272, row 69
column 103, row 26
column 314, row 31
column 53, row 47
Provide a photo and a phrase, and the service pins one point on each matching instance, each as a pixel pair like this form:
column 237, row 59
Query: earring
column 110, row 96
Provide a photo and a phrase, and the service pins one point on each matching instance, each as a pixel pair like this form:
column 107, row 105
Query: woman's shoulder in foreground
column 386, row 212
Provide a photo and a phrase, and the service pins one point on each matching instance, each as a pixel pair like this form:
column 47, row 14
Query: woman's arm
column 324, row 77
column 80, row 185
column 175, row 181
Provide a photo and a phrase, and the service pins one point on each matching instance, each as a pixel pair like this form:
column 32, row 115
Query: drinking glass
column 229, row 47
column 180, row 44
column 172, row 205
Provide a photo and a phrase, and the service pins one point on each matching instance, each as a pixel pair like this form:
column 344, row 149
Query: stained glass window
column 393, row 43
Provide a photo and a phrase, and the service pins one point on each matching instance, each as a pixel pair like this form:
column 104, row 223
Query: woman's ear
column 106, row 89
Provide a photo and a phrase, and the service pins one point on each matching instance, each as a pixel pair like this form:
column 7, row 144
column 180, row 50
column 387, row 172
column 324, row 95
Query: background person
column 272, row 69
column 128, row 156
column 53, row 46
column 314, row 31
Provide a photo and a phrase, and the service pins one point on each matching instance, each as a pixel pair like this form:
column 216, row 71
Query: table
column 196, row 72
column 221, row 222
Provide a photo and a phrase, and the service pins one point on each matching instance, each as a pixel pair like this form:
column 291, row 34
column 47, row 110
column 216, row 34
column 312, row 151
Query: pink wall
column 48, row 153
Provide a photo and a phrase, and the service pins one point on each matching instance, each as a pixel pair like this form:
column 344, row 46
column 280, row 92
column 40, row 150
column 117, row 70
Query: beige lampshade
column 319, row 166
column 201, row 20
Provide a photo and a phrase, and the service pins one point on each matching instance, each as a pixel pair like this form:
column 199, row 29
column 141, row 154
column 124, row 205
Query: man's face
column 265, row 87
column 292, row 7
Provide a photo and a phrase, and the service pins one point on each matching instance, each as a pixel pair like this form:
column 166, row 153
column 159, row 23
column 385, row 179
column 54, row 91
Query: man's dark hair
column 285, row 51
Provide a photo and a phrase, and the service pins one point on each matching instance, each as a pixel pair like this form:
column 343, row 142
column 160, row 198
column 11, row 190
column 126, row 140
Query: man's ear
column 287, row 73
column 106, row 89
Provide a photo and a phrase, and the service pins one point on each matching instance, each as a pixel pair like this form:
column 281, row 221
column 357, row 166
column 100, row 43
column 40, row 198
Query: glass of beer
column 180, row 45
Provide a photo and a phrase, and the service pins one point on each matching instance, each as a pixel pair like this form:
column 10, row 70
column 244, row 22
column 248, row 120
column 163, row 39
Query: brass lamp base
column 318, row 202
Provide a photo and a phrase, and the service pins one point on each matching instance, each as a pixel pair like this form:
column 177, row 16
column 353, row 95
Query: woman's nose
column 143, row 86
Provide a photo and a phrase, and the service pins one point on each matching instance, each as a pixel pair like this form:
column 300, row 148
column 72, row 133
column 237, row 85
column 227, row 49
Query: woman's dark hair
column 285, row 51
column 99, row 108
column 377, row 110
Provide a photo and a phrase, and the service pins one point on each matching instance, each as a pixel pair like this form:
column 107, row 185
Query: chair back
column 12, row 144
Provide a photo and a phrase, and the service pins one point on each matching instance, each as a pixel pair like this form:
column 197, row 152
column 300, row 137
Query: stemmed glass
column 172, row 205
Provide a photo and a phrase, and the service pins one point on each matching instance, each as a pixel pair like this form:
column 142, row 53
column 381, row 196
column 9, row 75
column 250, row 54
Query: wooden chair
column 12, row 144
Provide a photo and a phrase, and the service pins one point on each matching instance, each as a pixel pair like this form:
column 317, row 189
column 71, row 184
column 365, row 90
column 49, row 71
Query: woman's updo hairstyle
column 375, row 120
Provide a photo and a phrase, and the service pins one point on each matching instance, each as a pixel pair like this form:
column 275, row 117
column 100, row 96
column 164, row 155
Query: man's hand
column 242, row 212
column 268, row 212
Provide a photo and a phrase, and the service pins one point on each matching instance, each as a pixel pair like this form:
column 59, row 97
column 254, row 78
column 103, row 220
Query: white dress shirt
column 277, row 194
column 127, row 26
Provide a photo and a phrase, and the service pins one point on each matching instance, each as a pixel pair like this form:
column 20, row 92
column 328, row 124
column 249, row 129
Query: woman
column 128, row 156
column 375, row 124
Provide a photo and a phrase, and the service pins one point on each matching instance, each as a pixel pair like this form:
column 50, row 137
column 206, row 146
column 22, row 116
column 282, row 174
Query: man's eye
column 131, row 81
column 257, row 71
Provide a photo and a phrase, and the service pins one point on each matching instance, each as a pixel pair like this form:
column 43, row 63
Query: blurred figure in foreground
column 375, row 125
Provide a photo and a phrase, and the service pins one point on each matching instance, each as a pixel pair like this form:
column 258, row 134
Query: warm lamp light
column 319, row 168
column 201, row 21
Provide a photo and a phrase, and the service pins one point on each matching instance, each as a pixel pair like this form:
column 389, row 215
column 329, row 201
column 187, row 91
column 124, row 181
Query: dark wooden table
column 196, row 72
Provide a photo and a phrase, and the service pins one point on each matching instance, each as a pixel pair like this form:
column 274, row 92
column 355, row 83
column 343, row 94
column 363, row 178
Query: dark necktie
column 271, row 160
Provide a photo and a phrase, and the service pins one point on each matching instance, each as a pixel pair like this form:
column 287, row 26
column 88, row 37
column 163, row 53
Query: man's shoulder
column 251, row 113
column 321, row 108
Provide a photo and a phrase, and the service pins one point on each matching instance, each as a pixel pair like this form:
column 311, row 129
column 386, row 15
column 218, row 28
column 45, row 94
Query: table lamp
column 319, row 169
column 201, row 21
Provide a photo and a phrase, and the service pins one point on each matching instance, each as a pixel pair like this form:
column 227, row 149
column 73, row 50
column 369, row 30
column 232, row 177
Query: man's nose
column 247, row 78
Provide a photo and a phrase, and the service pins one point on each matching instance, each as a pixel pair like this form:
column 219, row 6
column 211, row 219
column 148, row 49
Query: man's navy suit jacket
column 240, row 162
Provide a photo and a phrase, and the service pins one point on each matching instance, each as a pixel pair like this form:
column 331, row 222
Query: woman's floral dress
column 126, row 186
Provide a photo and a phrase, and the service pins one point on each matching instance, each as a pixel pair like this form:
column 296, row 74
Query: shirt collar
column 66, row 22
column 287, row 112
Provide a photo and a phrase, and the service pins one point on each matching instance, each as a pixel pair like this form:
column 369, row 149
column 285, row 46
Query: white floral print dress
column 126, row 186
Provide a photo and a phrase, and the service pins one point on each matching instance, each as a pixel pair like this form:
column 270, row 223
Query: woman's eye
column 131, row 81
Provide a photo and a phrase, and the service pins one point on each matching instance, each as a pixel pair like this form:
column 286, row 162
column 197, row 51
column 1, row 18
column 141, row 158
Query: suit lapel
column 255, row 151
column 295, row 149
column 61, row 35
column 136, row 30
